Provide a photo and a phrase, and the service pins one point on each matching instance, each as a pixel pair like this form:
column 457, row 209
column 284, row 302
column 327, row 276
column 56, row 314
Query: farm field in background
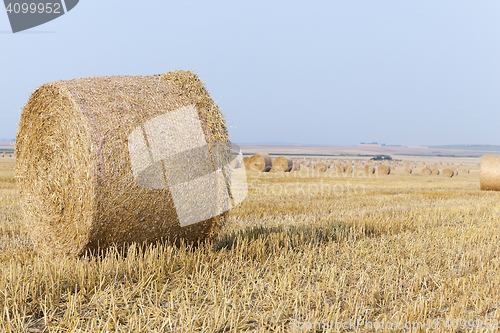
column 303, row 247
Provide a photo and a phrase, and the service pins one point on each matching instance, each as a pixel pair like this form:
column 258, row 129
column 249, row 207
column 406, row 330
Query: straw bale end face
column 490, row 173
column 448, row 173
column 120, row 160
column 261, row 162
column 282, row 164
column 384, row 169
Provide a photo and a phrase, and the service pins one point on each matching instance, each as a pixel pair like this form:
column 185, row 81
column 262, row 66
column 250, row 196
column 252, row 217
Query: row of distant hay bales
column 262, row 162
column 6, row 155
column 448, row 172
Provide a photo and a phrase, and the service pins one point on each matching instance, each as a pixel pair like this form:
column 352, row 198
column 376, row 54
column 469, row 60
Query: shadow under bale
column 294, row 236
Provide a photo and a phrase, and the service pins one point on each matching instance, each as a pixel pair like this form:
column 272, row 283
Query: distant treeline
column 6, row 151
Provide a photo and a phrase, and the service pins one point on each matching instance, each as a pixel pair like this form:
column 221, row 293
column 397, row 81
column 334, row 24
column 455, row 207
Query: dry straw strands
column 426, row 171
column 282, row 164
column 79, row 142
column 384, row 169
column 261, row 162
column 448, row 173
column 435, row 172
column 490, row 173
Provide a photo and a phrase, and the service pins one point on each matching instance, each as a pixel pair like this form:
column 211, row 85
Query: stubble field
column 303, row 250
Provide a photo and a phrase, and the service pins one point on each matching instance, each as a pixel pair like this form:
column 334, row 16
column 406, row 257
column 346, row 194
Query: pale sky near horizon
column 316, row 72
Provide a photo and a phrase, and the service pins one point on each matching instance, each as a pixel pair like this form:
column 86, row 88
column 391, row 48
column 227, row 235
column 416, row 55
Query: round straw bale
column 426, row 171
column 339, row 168
column 348, row 168
column 296, row 166
column 455, row 171
column 282, row 164
column 465, row 170
column 448, row 173
column 489, row 172
column 384, row 169
column 261, row 162
column 408, row 170
column 320, row 167
column 435, row 172
column 368, row 169
column 95, row 156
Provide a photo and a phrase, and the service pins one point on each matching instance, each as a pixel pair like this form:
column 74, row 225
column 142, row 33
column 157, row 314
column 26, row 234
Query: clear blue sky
column 310, row 72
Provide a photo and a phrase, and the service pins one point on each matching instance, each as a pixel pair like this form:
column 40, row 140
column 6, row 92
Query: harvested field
column 303, row 246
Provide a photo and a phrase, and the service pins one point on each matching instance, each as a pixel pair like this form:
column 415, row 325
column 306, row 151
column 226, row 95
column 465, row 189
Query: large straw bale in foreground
column 103, row 161
column 282, row 164
column 261, row 162
column 490, row 173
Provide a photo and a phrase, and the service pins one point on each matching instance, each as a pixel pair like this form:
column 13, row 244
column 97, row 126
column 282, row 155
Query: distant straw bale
column 408, row 170
column 348, row 169
column 261, row 162
column 384, row 169
column 448, row 173
column 320, row 167
column 426, row 171
column 435, row 172
column 282, row 164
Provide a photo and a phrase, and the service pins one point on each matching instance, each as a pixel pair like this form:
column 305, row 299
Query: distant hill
column 469, row 147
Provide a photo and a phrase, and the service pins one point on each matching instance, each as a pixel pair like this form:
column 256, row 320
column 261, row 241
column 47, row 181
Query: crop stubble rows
column 406, row 248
